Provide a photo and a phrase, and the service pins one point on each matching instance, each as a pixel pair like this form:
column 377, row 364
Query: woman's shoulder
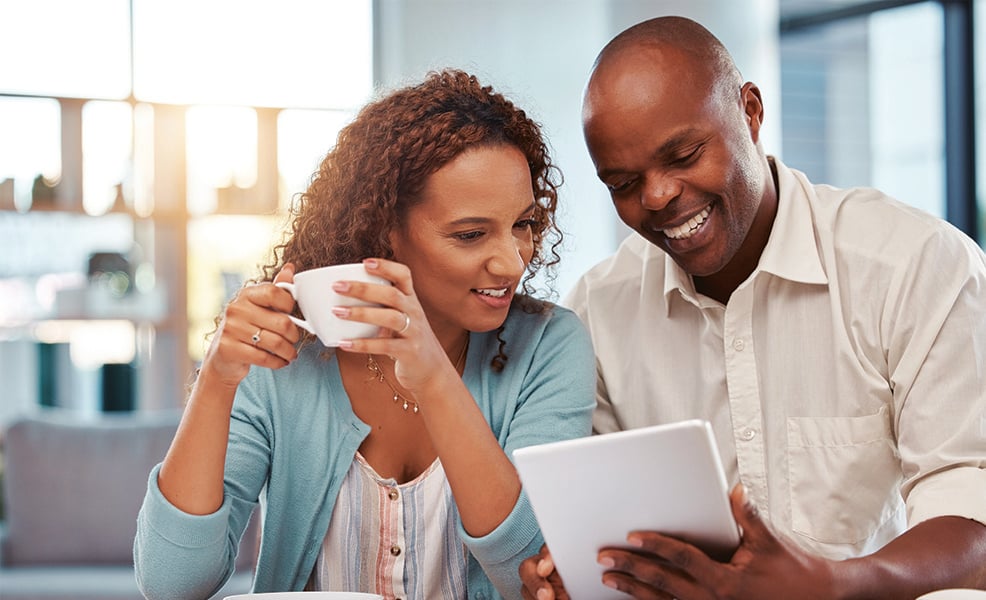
column 305, row 377
column 538, row 320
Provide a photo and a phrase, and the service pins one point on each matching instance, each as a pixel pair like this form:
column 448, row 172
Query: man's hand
column 541, row 581
column 764, row 565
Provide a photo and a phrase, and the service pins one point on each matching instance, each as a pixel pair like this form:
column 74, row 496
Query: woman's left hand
column 418, row 355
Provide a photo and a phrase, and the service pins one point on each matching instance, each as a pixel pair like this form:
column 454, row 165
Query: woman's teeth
column 687, row 230
column 497, row 293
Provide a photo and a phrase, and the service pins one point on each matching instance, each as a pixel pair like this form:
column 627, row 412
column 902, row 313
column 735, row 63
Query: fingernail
column 606, row 561
column 340, row 311
column 635, row 541
column 341, row 286
column 543, row 594
column 345, row 344
column 610, row 583
column 371, row 263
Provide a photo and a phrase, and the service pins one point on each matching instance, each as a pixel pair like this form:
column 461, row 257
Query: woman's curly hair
column 365, row 185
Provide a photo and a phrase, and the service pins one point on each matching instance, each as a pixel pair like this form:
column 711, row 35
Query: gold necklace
column 374, row 368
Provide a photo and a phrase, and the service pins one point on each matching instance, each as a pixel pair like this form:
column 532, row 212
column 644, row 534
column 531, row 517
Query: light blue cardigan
column 293, row 435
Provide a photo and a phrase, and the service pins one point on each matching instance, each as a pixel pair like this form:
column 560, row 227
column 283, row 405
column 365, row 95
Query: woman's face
column 468, row 240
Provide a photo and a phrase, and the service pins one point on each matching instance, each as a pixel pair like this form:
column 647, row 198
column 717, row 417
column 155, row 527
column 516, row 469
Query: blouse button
column 395, row 550
column 393, row 494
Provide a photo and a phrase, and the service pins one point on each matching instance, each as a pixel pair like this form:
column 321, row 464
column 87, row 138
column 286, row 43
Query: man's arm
column 943, row 552
column 939, row 553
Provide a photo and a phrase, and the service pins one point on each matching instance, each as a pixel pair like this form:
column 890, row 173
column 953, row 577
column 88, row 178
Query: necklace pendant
column 415, row 409
column 406, row 405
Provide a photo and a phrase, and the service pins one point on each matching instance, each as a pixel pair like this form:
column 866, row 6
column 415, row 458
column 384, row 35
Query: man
column 836, row 340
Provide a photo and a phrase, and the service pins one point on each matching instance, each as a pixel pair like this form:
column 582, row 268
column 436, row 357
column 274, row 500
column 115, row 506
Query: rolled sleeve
column 957, row 492
column 498, row 550
column 204, row 561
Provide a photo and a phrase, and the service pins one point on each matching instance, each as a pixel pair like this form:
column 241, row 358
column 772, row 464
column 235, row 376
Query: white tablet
column 590, row 492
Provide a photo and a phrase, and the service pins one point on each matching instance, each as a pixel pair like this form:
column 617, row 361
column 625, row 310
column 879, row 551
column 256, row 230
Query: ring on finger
column 407, row 323
column 255, row 338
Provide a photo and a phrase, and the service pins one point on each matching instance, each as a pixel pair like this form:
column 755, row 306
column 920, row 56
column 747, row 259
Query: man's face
column 679, row 157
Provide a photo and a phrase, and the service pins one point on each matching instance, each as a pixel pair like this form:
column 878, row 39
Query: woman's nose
column 508, row 261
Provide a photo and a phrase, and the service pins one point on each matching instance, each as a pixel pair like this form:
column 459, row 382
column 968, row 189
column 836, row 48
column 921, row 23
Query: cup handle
column 285, row 285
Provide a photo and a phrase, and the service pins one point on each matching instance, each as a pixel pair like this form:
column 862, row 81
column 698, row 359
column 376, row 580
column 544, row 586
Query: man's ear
column 753, row 108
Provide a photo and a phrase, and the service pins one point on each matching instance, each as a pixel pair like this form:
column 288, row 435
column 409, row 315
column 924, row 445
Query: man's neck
column 720, row 286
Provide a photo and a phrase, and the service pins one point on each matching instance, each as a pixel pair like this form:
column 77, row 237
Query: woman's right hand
column 257, row 310
column 539, row 578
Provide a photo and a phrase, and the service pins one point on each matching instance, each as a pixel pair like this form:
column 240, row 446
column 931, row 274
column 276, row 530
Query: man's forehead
column 650, row 74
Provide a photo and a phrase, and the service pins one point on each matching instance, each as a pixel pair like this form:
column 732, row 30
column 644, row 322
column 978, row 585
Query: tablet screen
column 590, row 492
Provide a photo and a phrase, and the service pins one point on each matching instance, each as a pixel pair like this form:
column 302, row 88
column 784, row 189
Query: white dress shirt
column 845, row 379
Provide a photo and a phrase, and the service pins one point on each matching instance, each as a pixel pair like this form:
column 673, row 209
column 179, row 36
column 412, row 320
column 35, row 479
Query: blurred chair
column 72, row 489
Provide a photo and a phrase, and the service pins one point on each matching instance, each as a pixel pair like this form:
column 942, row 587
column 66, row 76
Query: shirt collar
column 790, row 253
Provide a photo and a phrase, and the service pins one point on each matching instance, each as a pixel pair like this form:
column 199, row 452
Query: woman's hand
column 411, row 343
column 254, row 330
column 540, row 580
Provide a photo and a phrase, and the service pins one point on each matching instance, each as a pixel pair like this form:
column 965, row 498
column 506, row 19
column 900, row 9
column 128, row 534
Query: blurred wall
column 539, row 54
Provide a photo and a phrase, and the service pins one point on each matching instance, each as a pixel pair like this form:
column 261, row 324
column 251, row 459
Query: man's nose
column 659, row 191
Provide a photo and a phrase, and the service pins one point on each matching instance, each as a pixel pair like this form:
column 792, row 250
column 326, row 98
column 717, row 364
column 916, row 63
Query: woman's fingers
column 392, row 307
column 255, row 328
column 392, row 271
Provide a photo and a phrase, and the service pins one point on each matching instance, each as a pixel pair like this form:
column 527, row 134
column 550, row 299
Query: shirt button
column 738, row 345
column 395, row 550
column 393, row 494
column 749, row 434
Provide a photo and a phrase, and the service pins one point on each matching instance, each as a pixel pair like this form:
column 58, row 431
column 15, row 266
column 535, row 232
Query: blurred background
column 149, row 150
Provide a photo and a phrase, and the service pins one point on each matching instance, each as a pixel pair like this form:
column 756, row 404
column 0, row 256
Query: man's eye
column 686, row 158
column 620, row 186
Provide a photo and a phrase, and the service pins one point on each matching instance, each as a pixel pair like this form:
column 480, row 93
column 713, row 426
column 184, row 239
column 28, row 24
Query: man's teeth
column 497, row 293
column 687, row 230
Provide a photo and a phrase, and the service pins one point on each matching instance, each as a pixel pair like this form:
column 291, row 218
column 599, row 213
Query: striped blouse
column 396, row 540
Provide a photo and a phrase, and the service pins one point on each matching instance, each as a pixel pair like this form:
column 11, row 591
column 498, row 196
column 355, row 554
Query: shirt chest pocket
column 844, row 476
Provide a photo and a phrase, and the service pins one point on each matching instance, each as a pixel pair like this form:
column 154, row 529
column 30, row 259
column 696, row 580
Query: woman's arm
column 191, row 477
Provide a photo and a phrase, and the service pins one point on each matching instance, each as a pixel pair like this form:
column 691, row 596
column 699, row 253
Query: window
column 172, row 134
column 883, row 94
column 853, row 113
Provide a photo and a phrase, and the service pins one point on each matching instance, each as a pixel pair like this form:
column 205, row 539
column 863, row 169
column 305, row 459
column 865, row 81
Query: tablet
column 590, row 492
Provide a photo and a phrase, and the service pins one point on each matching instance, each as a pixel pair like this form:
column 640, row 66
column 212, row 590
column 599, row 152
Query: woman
column 384, row 465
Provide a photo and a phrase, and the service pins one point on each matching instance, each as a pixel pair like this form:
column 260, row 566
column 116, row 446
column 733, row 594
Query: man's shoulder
column 626, row 266
column 865, row 218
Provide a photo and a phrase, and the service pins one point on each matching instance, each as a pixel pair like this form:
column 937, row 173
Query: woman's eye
column 525, row 224
column 468, row 236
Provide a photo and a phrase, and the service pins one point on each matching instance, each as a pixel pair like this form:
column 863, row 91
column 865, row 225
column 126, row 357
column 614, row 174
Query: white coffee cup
column 954, row 594
column 312, row 289
column 306, row 596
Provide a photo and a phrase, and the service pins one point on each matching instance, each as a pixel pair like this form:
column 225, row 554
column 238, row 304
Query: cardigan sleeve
column 183, row 556
column 554, row 401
